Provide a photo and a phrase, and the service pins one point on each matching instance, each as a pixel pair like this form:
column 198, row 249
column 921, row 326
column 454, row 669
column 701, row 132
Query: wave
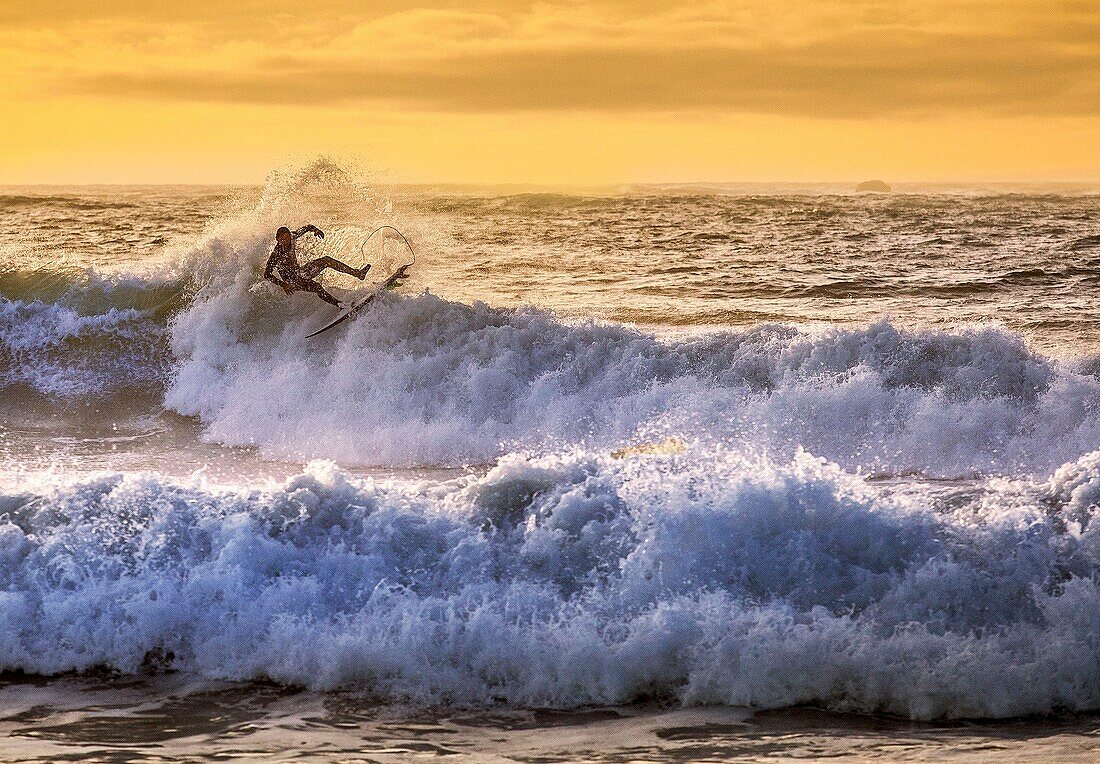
column 89, row 291
column 18, row 201
column 54, row 350
column 986, row 286
column 574, row 579
column 75, row 332
column 1084, row 242
column 422, row 380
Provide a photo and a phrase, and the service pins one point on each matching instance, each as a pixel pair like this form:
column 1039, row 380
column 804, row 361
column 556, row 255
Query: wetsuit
column 284, row 262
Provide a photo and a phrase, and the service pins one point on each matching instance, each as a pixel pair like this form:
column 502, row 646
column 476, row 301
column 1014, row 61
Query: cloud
column 836, row 59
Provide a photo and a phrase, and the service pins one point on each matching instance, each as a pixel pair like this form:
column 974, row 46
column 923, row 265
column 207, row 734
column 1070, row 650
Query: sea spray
column 423, row 380
column 571, row 579
column 806, row 504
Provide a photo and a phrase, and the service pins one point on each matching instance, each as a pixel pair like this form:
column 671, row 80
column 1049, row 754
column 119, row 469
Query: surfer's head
column 284, row 236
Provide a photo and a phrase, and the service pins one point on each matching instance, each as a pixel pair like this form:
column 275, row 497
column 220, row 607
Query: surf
column 535, row 508
column 571, row 579
column 425, row 380
column 422, row 380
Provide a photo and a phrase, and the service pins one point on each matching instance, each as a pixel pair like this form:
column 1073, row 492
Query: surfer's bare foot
column 362, row 274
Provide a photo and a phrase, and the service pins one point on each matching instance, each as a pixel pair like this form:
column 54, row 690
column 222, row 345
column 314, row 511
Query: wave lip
column 427, row 381
column 53, row 349
column 422, row 380
column 570, row 580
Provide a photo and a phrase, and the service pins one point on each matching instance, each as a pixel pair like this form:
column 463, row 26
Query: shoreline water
column 167, row 718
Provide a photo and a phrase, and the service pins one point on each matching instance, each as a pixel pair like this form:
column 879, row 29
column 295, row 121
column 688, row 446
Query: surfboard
column 350, row 312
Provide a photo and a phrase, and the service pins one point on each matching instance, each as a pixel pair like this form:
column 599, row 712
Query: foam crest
column 427, row 381
column 54, row 349
column 424, row 380
column 568, row 580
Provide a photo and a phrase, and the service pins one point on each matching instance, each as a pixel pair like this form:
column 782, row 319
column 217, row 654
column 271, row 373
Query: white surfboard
column 350, row 312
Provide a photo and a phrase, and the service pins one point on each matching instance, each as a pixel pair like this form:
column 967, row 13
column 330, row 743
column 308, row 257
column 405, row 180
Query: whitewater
column 694, row 447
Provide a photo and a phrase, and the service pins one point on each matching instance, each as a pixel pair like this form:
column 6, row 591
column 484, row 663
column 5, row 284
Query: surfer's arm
column 309, row 229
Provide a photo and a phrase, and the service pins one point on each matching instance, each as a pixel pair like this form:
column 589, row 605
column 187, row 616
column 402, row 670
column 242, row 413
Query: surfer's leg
column 320, row 291
column 313, row 268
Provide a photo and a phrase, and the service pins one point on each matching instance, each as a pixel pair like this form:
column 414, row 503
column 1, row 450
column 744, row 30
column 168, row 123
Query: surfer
column 283, row 268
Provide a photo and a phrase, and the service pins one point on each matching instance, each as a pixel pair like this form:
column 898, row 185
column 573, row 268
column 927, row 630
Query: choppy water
column 707, row 449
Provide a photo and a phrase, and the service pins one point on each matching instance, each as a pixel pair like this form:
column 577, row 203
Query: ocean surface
column 641, row 474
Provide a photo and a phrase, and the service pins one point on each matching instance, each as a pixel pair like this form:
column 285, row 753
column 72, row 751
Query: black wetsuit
column 284, row 262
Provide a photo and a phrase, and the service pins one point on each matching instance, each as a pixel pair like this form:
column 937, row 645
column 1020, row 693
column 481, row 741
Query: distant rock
column 876, row 186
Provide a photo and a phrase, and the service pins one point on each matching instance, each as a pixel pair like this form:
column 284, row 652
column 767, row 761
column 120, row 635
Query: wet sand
column 172, row 719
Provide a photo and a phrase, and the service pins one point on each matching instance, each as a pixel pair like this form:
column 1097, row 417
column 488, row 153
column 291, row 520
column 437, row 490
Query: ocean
column 650, row 473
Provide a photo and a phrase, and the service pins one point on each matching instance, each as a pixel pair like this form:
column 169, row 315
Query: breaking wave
column 421, row 380
column 685, row 518
column 574, row 579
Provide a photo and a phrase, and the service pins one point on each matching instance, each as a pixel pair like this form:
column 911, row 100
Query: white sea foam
column 740, row 570
column 425, row 380
column 573, row 579
column 54, row 349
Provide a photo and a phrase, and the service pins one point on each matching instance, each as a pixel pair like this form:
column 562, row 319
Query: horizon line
column 558, row 185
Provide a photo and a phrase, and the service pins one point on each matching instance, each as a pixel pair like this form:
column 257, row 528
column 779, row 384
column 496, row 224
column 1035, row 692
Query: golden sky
column 572, row 91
